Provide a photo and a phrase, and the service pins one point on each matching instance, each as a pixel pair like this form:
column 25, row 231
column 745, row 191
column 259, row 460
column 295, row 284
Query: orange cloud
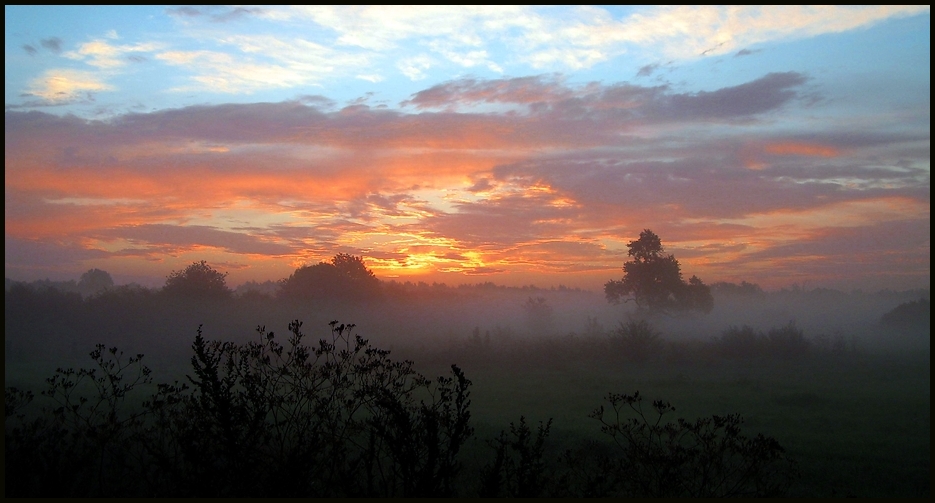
column 753, row 155
column 550, row 189
column 796, row 148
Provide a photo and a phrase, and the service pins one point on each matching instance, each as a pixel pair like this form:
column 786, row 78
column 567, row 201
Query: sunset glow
column 517, row 145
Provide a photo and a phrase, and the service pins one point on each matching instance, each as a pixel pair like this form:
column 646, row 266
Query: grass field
column 857, row 425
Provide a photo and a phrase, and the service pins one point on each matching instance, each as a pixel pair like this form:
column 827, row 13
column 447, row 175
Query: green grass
column 856, row 425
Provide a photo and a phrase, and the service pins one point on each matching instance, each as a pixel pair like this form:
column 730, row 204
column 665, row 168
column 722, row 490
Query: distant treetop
column 653, row 280
column 198, row 280
column 95, row 281
column 345, row 277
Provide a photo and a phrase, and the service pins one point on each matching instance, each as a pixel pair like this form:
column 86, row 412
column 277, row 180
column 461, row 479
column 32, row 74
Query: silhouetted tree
column 95, row 281
column 197, row 280
column 653, row 280
column 345, row 277
column 909, row 315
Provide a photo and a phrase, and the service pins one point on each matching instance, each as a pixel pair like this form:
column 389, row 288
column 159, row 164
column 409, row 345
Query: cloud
column 525, row 90
column 105, row 55
column 163, row 236
column 184, row 11
column 415, row 67
column 521, row 175
column 355, row 40
column 25, row 256
column 61, row 86
column 262, row 62
column 687, row 32
column 222, row 72
column 382, row 27
column 580, row 37
column 764, row 94
column 620, row 103
column 216, row 13
column 53, row 44
column 647, row 70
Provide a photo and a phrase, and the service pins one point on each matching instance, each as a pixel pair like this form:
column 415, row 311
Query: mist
column 554, row 353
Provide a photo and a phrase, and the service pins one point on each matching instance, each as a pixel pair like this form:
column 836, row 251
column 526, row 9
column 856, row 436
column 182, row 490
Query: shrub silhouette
column 310, row 282
column 909, row 315
column 341, row 418
column 741, row 343
column 708, row 457
column 81, row 446
column 637, row 340
column 518, row 470
column 345, row 277
column 788, row 341
column 198, row 280
column 95, row 281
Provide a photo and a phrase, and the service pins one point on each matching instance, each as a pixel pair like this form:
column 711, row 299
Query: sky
column 517, row 145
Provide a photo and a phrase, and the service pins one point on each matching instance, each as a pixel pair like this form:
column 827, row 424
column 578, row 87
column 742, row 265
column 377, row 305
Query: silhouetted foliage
column 95, row 281
column 788, row 341
column 707, row 458
column 741, row 343
column 518, row 469
column 909, row 315
column 637, row 340
column 653, row 280
column 198, row 280
column 341, row 419
column 345, row 277
column 85, row 443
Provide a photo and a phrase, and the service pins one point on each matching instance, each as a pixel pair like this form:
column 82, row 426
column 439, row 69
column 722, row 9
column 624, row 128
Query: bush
column 198, row 280
column 788, row 341
column 264, row 419
column 260, row 419
column 741, row 343
column 638, row 340
column 708, row 457
column 345, row 277
column 518, row 470
column 909, row 315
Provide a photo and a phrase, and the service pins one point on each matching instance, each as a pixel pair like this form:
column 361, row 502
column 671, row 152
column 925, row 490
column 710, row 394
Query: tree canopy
column 345, row 277
column 653, row 280
column 197, row 280
column 95, row 281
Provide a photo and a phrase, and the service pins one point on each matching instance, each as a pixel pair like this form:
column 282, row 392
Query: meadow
column 851, row 411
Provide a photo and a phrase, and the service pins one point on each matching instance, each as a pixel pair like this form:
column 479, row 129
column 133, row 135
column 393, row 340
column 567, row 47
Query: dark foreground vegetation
column 341, row 418
column 840, row 380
